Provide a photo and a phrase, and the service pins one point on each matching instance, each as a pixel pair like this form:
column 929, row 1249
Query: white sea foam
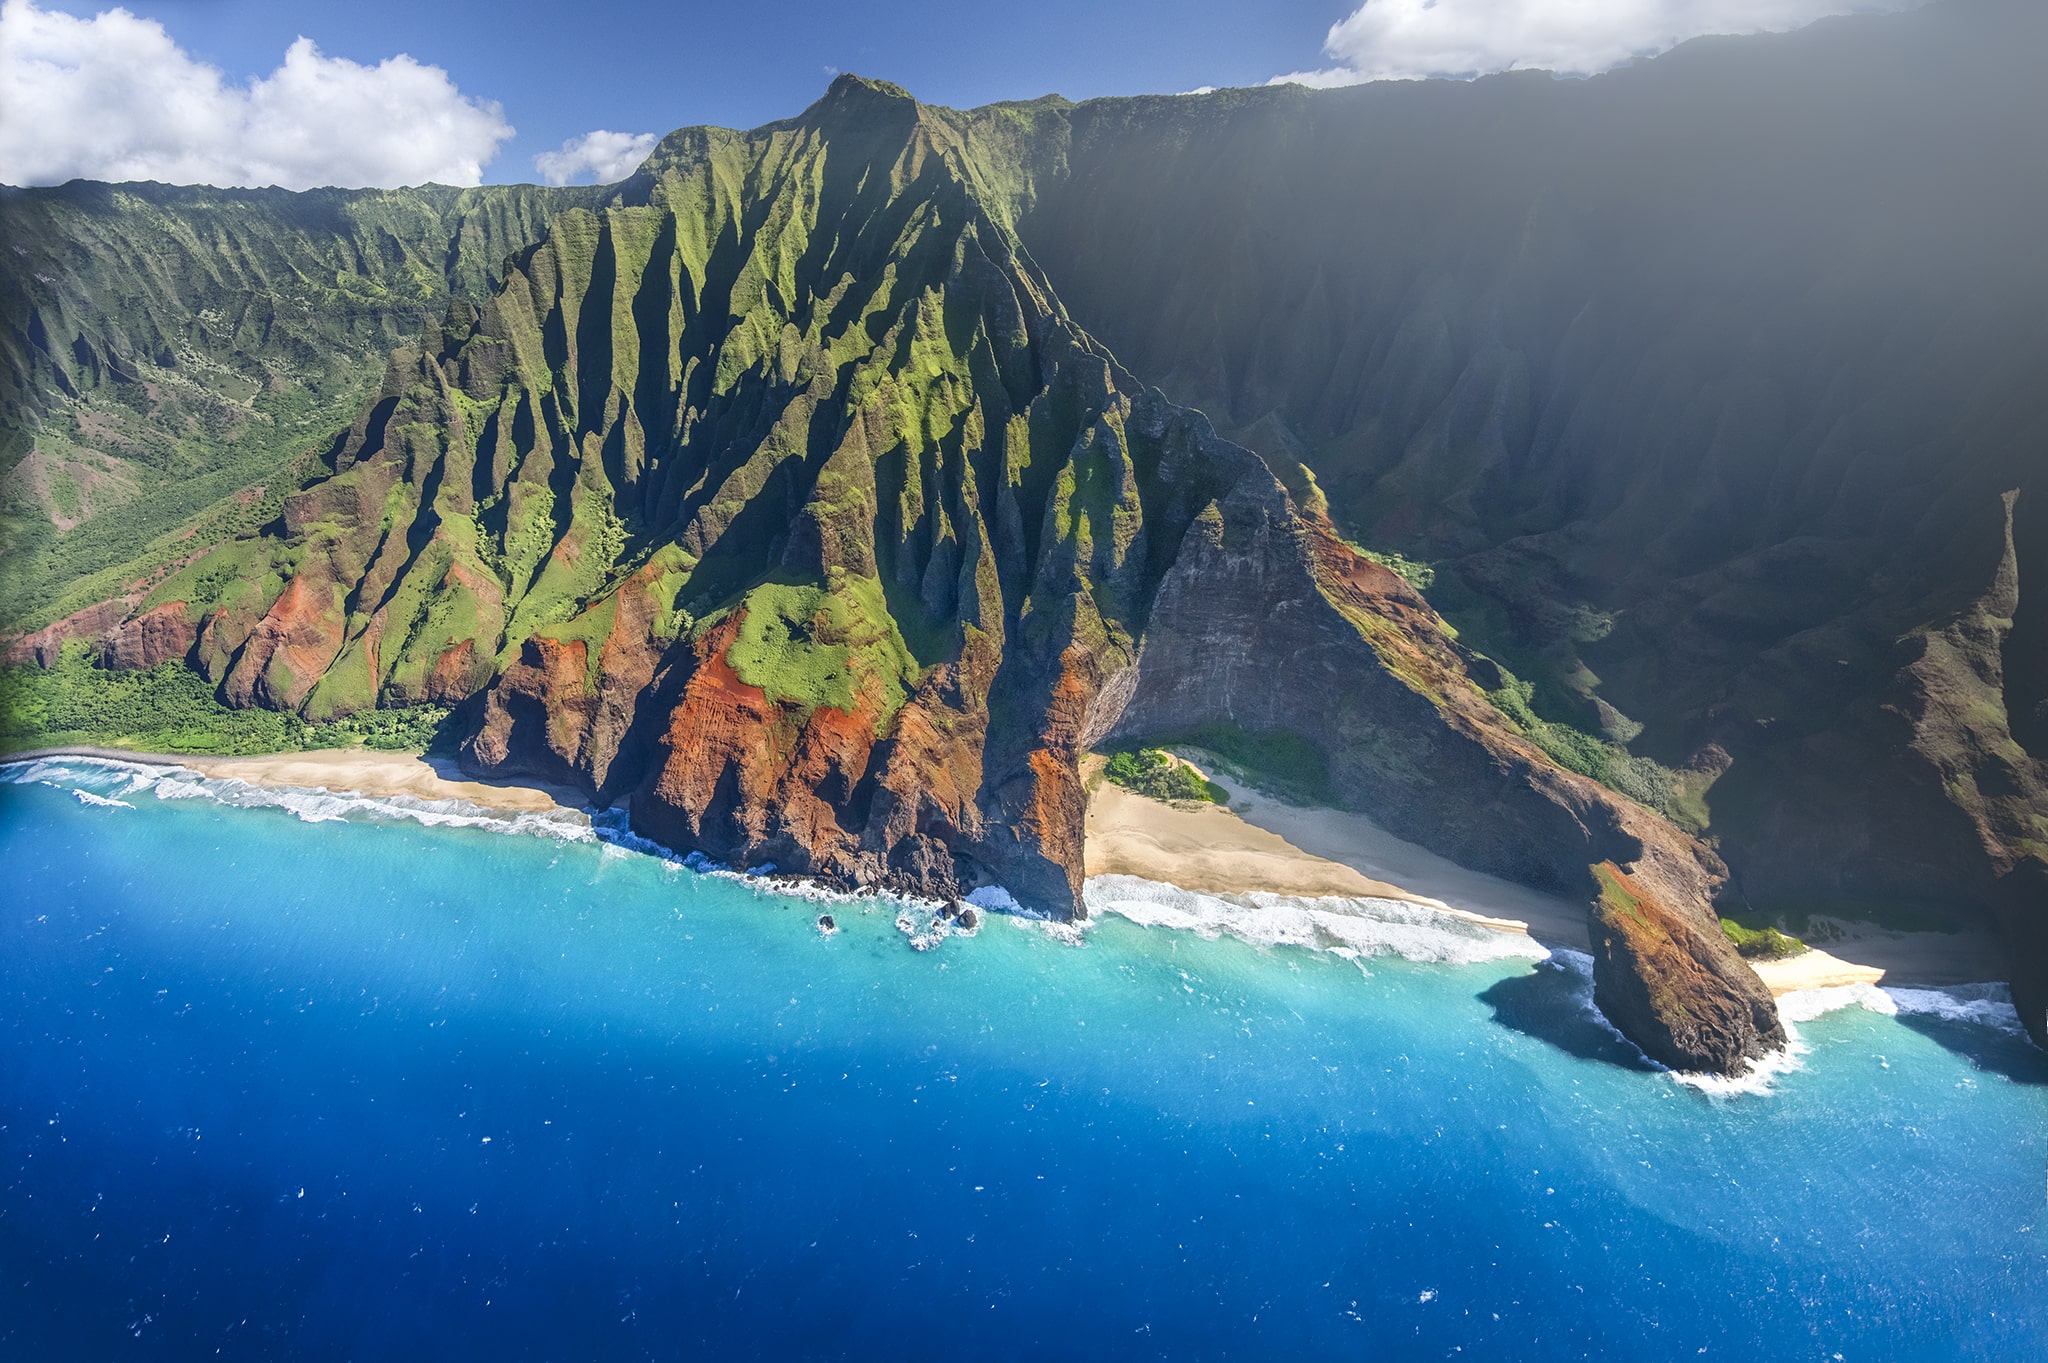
column 324, row 806
column 68, row 771
column 924, row 930
column 1804, row 1005
column 1070, row 933
column 1983, row 1005
column 995, row 899
column 1761, row 1077
column 1987, row 1005
column 102, row 781
column 1360, row 927
column 86, row 797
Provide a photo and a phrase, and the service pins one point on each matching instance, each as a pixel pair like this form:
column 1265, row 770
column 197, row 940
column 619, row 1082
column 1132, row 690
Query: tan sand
column 1860, row 953
column 1971, row 956
column 1813, row 969
column 364, row 772
column 1261, row 844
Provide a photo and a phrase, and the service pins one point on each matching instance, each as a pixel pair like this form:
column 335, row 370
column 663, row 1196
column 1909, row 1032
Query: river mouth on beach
column 347, row 1081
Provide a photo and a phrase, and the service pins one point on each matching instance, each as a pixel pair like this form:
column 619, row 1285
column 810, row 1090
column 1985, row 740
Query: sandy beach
column 365, row 772
column 1862, row 953
column 1263, row 844
column 1260, row 843
column 1813, row 969
column 358, row 771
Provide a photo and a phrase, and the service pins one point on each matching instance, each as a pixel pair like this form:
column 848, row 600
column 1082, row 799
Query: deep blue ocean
column 363, row 1088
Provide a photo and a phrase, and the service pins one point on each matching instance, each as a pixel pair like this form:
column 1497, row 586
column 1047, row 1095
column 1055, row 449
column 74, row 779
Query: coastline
column 356, row 771
column 1257, row 844
column 1866, row 954
column 1262, row 844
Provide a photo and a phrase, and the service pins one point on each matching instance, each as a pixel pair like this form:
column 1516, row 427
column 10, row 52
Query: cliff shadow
column 1991, row 1049
column 1554, row 1004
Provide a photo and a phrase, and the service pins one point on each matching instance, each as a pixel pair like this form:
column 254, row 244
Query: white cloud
column 598, row 157
column 114, row 98
column 1411, row 39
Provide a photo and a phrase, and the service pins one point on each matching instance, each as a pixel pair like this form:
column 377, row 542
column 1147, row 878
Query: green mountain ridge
column 164, row 348
column 785, row 491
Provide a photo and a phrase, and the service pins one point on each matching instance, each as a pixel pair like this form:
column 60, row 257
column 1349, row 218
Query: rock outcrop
column 1672, row 984
column 43, row 646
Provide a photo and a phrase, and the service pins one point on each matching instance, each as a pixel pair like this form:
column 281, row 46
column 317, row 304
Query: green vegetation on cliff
column 172, row 709
column 810, row 646
column 1764, row 943
column 1157, row 774
column 176, row 359
column 1275, row 761
column 1612, row 765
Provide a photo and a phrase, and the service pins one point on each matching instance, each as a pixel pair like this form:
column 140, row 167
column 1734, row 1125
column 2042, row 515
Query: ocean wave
column 1360, row 927
column 67, row 772
column 1071, row 932
column 924, row 928
column 96, row 780
column 995, row 899
column 1982, row 1005
column 1804, row 1005
column 1068, row 932
column 323, row 806
column 1986, row 1005
column 1760, row 1078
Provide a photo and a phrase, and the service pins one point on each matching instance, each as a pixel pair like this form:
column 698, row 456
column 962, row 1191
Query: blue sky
column 383, row 92
column 561, row 69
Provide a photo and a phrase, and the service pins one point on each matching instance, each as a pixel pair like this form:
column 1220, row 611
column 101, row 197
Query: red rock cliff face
column 159, row 635
column 558, row 713
column 43, row 646
column 119, row 634
column 754, row 781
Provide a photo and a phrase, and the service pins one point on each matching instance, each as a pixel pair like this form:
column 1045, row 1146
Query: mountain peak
column 849, row 86
column 861, row 100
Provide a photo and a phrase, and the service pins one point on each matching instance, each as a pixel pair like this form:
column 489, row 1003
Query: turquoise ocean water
column 370, row 1087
